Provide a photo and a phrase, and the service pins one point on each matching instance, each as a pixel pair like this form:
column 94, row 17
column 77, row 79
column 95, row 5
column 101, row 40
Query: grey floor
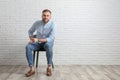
column 74, row 72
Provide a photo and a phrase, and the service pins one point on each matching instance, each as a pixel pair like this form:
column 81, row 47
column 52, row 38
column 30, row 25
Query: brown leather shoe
column 49, row 72
column 30, row 73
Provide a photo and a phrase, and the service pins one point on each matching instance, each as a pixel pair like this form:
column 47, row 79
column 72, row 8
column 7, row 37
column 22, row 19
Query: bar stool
column 37, row 57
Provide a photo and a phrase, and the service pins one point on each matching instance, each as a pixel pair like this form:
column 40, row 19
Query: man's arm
column 42, row 40
column 51, row 37
column 31, row 31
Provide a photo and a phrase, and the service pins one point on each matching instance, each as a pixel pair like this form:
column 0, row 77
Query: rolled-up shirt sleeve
column 51, row 36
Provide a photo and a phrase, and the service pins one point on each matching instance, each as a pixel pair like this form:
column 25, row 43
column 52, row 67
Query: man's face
column 46, row 16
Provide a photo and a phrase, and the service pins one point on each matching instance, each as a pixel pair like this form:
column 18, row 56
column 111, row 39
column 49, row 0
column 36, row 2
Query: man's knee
column 48, row 45
column 28, row 46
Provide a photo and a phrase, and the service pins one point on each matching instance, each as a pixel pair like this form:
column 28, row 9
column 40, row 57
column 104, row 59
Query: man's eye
column 46, row 15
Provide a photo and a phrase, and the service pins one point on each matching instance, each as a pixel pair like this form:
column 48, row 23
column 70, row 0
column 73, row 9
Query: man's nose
column 46, row 17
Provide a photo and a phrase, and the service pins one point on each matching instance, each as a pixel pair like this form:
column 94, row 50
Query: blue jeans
column 48, row 46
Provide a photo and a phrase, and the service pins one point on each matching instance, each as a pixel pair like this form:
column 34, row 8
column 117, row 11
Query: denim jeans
column 48, row 46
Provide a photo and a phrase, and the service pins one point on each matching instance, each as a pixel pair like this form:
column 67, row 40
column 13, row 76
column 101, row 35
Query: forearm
column 42, row 40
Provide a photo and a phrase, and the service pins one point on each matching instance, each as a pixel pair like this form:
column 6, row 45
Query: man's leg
column 29, row 48
column 49, row 55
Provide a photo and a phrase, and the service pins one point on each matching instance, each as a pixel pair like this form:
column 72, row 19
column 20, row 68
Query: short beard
column 45, row 21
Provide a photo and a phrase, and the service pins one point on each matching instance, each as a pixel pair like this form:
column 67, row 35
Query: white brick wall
column 88, row 31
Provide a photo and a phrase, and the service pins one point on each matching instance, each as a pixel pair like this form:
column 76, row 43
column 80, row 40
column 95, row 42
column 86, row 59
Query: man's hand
column 33, row 40
column 43, row 40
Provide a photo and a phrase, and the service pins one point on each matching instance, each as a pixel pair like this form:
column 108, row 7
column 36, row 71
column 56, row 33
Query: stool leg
column 52, row 65
column 37, row 59
column 33, row 57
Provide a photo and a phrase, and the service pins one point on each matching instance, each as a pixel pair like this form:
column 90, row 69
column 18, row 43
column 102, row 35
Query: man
column 45, row 36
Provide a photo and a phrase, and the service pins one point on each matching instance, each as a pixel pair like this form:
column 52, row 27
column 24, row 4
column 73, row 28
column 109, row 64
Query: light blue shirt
column 43, row 30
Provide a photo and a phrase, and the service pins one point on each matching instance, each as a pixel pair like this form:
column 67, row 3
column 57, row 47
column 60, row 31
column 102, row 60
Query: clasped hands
column 37, row 40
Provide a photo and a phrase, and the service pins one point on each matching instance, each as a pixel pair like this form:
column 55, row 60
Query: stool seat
column 42, row 49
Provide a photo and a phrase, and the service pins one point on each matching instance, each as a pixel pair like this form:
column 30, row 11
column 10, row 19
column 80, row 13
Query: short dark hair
column 46, row 10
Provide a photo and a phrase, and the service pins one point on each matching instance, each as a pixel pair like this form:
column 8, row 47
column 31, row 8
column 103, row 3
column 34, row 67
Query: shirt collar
column 47, row 22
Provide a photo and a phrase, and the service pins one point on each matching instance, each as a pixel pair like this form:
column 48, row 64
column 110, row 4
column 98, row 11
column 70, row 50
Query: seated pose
column 45, row 36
